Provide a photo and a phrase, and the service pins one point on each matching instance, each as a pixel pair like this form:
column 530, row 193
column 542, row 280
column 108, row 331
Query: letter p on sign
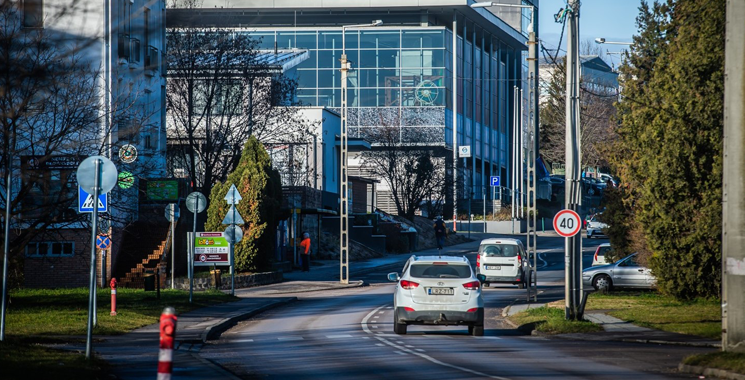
column 567, row 223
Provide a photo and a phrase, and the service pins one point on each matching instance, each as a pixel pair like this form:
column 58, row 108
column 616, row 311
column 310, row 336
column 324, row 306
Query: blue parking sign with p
column 494, row 180
column 85, row 201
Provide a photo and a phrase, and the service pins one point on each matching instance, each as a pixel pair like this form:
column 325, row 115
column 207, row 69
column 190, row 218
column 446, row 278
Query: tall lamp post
column 344, row 178
column 532, row 132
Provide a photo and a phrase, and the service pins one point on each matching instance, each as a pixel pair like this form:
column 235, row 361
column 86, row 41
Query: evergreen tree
column 670, row 148
column 260, row 187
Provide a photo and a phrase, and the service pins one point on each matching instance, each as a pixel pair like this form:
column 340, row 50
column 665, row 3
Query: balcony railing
column 123, row 48
column 151, row 59
column 134, row 48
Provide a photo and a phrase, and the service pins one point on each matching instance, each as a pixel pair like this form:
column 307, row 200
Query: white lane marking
column 490, row 337
column 340, row 336
column 380, row 344
column 420, row 350
column 381, row 338
column 365, row 337
column 400, row 353
column 375, row 326
column 408, row 346
column 389, row 307
column 241, row 340
column 291, row 338
column 381, row 312
column 399, row 342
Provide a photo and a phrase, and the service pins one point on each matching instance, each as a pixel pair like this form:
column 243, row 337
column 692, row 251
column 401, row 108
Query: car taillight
column 409, row 309
column 473, row 285
column 472, row 310
column 596, row 254
column 478, row 260
column 408, row 284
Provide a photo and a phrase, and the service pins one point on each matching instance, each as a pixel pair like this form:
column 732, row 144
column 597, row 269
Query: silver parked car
column 624, row 273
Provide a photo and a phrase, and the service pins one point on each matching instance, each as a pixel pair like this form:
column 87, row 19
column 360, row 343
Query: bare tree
column 596, row 115
column 415, row 176
column 219, row 92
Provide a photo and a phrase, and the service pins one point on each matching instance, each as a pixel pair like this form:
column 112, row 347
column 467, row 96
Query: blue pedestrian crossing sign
column 494, row 180
column 85, row 201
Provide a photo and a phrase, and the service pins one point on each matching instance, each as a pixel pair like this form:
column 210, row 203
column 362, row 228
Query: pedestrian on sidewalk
column 305, row 254
column 441, row 232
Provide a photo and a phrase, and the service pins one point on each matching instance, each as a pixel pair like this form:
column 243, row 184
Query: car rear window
column 440, row 271
column 603, row 251
column 499, row 250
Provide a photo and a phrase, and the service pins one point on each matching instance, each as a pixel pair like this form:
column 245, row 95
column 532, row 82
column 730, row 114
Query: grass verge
column 729, row 361
column 650, row 309
column 39, row 316
column 550, row 320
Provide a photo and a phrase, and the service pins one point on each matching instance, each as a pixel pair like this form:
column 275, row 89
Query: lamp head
column 600, row 40
column 377, row 23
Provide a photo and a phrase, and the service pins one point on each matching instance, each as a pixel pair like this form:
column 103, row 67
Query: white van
column 502, row 261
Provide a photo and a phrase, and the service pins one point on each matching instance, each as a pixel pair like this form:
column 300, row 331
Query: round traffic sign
column 172, row 212
column 196, row 202
column 567, row 223
column 234, row 234
column 87, row 174
column 128, row 153
column 103, row 242
column 126, row 180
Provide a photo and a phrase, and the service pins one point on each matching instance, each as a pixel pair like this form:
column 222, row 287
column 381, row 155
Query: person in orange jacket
column 305, row 254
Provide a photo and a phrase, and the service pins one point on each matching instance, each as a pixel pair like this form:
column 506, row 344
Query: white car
column 595, row 227
column 599, row 257
column 437, row 290
column 502, row 261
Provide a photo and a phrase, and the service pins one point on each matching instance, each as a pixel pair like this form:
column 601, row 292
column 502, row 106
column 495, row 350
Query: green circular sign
column 126, row 180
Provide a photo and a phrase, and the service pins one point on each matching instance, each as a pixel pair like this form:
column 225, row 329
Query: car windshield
column 440, row 271
column 499, row 250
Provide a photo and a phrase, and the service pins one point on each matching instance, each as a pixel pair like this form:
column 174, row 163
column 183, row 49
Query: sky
column 614, row 20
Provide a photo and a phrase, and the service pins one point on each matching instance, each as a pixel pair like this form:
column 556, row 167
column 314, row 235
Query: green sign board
column 211, row 248
column 162, row 190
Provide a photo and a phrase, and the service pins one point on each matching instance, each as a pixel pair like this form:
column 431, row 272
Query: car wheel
column 602, row 283
column 398, row 328
column 476, row 330
column 486, row 284
column 521, row 286
column 589, row 235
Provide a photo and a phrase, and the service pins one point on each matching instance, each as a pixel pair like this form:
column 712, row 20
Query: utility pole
column 532, row 137
column 573, row 197
column 733, row 204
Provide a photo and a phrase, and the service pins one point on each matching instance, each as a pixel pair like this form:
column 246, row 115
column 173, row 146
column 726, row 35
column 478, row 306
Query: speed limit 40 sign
column 567, row 223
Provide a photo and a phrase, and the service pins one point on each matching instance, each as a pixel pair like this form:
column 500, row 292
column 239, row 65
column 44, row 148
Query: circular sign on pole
column 103, row 242
column 128, row 153
column 126, row 180
column 196, row 202
column 234, row 234
column 87, row 174
column 567, row 223
column 171, row 216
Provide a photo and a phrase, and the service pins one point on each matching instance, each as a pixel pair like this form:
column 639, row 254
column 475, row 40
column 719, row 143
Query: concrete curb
column 214, row 331
column 720, row 373
column 672, row 343
column 358, row 284
column 224, row 373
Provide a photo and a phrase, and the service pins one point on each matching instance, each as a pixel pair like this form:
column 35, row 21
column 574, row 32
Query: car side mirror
column 481, row 277
column 393, row 277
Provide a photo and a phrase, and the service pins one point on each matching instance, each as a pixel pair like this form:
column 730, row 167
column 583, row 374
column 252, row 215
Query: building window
column 50, row 249
column 33, row 13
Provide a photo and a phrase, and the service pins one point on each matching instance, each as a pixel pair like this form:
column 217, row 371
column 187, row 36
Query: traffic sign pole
column 92, row 283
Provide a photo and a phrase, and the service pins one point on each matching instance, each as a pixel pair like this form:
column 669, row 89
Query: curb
column 672, row 343
column 224, row 373
column 214, row 331
column 720, row 373
column 358, row 284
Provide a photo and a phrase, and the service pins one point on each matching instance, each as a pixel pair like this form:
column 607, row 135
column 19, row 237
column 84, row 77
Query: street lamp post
column 344, row 178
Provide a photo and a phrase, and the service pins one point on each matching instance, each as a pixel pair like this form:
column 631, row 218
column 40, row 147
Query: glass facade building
column 402, row 71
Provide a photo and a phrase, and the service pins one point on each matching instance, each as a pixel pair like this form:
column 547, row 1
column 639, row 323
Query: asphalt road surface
column 348, row 334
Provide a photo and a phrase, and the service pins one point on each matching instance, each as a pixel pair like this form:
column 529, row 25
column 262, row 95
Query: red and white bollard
column 113, row 295
column 167, row 337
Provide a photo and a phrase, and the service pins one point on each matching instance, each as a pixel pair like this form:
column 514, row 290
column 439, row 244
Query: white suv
column 437, row 290
column 502, row 261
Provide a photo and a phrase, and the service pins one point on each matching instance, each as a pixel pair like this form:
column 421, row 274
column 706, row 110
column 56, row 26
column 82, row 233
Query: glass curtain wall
column 397, row 77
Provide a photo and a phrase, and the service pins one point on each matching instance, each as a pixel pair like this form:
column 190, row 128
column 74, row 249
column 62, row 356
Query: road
column 348, row 334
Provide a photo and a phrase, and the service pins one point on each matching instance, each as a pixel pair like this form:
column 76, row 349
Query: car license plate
column 493, row 267
column 441, row 291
